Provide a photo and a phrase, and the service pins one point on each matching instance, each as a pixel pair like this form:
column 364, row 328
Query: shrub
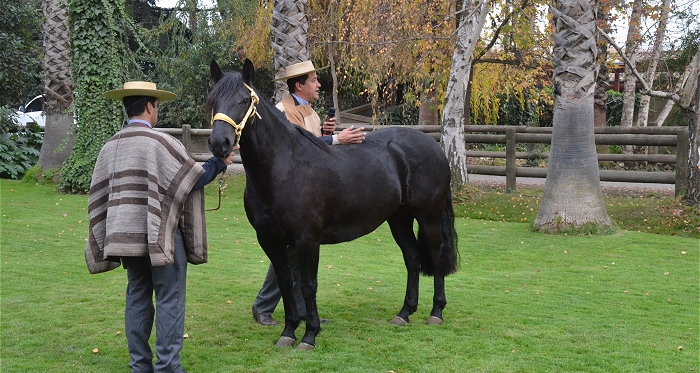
column 404, row 114
column 19, row 147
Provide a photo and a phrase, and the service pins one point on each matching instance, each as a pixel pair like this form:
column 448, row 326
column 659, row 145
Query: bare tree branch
column 645, row 87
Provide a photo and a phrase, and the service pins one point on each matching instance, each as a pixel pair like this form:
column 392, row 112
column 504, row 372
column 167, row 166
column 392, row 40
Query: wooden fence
column 678, row 137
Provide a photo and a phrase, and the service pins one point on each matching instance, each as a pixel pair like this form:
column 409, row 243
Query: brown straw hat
column 298, row 69
column 147, row 89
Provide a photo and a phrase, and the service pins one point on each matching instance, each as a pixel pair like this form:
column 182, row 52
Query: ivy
column 101, row 61
column 20, row 37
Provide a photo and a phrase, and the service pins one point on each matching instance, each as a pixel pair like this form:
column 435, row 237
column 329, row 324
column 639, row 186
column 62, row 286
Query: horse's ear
column 248, row 72
column 215, row 71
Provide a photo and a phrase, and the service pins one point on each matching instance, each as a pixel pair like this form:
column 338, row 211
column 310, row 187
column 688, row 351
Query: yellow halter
column 254, row 99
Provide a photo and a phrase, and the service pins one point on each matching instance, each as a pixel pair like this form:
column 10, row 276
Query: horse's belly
column 352, row 226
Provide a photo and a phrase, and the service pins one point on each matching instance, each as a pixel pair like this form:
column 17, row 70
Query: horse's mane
column 230, row 82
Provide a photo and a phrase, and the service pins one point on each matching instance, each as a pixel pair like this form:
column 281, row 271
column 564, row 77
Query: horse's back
column 414, row 149
column 420, row 162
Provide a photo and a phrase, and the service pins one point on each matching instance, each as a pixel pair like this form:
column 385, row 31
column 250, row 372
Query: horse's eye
column 245, row 101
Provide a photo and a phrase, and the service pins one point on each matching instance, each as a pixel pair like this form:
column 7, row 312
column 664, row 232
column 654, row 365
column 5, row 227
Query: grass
column 521, row 302
column 650, row 213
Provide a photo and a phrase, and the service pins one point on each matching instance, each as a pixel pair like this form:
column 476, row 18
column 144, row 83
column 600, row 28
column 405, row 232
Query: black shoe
column 262, row 319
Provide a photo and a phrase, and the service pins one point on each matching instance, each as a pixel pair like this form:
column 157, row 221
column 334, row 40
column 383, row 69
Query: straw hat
column 298, row 69
column 147, row 89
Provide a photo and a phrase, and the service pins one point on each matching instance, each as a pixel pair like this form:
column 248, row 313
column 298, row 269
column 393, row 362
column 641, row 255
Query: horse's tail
column 448, row 261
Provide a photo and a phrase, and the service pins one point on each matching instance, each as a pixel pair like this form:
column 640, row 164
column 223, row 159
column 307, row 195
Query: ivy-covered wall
column 101, row 59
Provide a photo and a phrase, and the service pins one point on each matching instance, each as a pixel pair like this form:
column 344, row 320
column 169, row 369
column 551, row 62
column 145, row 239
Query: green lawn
column 521, row 301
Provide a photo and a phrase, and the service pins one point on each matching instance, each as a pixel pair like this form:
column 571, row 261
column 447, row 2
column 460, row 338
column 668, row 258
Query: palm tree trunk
column 572, row 194
column 289, row 37
column 59, row 133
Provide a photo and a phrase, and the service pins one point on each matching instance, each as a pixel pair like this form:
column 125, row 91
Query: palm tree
column 289, row 37
column 58, row 84
column 572, row 194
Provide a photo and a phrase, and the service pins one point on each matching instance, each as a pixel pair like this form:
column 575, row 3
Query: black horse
column 301, row 193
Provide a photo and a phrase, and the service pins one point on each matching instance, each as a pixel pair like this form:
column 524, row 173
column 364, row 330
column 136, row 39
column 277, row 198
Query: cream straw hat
column 298, row 69
column 147, row 89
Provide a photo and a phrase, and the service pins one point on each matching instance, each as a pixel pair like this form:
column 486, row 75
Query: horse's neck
column 268, row 141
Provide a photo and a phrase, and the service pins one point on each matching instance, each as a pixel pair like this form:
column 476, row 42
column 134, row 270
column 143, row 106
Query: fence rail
column 510, row 136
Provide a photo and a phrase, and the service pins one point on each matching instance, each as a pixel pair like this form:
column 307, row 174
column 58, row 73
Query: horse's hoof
column 432, row 320
column 305, row 346
column 285, row 342
column 398, row 321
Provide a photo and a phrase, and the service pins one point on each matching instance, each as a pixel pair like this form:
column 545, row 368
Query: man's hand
column 351, row 135
column 229, row 160
column 328, row 126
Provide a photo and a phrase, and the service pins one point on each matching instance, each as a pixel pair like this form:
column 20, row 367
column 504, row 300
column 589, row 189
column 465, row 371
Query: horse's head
column 232, row 104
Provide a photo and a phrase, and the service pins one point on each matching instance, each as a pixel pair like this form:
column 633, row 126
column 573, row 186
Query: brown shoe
column 262, row 319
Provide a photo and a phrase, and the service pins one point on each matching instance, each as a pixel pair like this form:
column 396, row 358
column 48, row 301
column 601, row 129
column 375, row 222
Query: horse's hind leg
column 430, row 240
column 401, row 225
column 439, row 300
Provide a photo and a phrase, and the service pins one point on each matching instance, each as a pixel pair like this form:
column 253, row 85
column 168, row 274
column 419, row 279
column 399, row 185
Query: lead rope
column 222, row 186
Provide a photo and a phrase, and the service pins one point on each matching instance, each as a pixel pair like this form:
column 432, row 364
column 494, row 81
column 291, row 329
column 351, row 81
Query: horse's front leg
column 283, row 269
column 308, row 267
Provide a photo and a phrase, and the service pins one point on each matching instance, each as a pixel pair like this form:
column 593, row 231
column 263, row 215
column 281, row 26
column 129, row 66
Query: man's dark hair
column 291, row 82
column 136, row 105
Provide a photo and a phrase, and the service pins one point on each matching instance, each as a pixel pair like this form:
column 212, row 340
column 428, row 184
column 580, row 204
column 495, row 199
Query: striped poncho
column 139, row 197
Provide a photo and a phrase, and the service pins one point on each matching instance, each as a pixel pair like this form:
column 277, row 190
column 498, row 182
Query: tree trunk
column 332, row 47
column 289, row 37
column 572, row 193
column 643, row 117
column 59, row 133
column 601, row 90
column 428, row 112
column 693, row 110
column 453, row 112
column 628, row 101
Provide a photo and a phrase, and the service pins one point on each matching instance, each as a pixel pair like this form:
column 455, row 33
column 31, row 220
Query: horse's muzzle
column 220, row 149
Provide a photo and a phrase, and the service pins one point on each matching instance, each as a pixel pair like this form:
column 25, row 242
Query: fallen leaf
column 228, row 302
column 186, row 336
column 680, row 348
column 119, row 332
column 94, row 350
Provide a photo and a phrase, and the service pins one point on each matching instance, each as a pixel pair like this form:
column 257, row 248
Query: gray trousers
column 270, row 294
column 169, row 284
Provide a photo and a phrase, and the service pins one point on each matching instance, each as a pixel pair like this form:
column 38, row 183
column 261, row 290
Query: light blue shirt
column 300, row 100
column 140, row 121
